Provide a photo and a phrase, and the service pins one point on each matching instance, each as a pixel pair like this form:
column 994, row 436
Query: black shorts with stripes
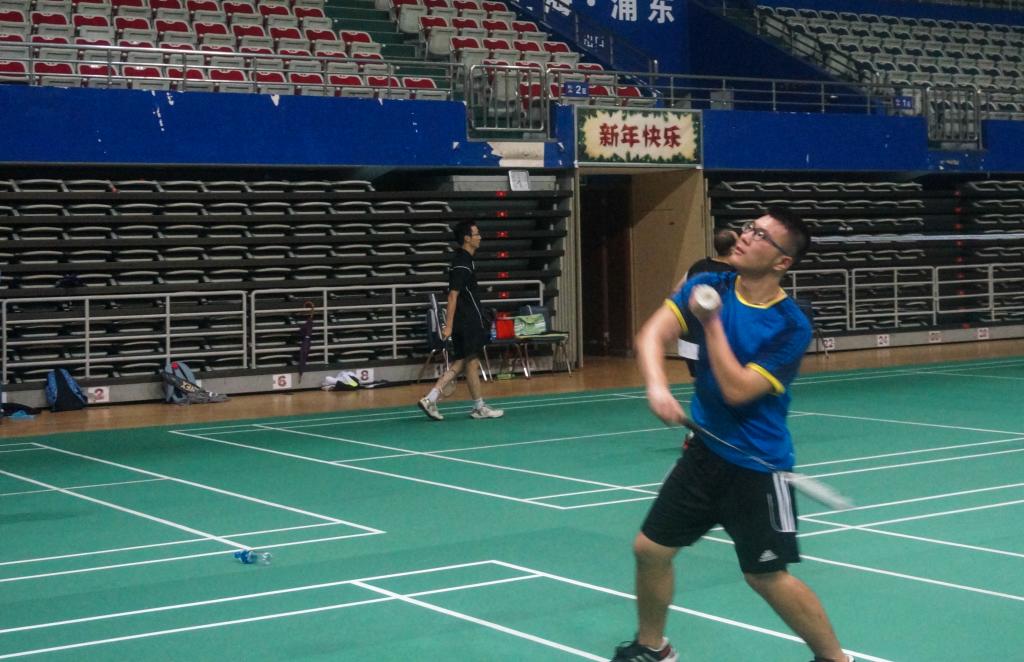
column 756, row 509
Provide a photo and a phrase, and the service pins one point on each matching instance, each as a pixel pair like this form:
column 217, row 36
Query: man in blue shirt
column 750, row 351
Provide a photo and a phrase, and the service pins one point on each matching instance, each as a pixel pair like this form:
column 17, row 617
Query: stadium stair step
column 356, row 15
column 399, row 51
column 350, row 4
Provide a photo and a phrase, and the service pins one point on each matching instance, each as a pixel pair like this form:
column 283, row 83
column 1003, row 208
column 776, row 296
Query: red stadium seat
column 12, row 72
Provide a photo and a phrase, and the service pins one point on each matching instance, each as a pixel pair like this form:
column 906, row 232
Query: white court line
column 20, row 450
column 83, row 487
column 595, row 491
column 253, row 619
column 898, row 575
column 859, row 375
column 574, row 396
column 906, row 536
column 461, row 460
column 217, row 490
column 16, row 443
column 610, row 503
column 423, row 481
column 934, row 449
column 363, row 416
column 464, row 449
column 916, row 423
column 958, row 511
column 114, row 566
column 134, row 548
column 901, row 502
column 967, row 374
column 237, row 598
column 408, row 599
column 940, row 460
column 129, row 511
column 692, row 612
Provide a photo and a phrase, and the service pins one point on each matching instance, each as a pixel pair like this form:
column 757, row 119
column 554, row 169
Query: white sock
column 479, row 403
column 433, row 395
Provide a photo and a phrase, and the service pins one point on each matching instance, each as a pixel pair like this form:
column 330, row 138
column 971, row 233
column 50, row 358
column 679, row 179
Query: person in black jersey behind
column 466, row 325
column 724, row 242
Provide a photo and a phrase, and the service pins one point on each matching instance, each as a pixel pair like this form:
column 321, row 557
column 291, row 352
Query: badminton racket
column 811, row 487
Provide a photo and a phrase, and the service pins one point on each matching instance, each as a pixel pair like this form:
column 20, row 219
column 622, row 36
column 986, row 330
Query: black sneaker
column 635, row 652
column 849, row 658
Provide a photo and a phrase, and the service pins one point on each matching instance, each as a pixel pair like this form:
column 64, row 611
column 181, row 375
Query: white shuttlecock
column 707, row 298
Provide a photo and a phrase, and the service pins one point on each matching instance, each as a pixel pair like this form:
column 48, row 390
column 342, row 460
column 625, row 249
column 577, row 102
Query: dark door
column 604, row 230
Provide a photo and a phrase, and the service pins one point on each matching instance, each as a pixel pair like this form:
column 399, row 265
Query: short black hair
column 462, row 230
column 799, row 233
column 724, row 241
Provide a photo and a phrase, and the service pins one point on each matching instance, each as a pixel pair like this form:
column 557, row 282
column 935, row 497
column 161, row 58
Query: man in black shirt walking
column 466, row 325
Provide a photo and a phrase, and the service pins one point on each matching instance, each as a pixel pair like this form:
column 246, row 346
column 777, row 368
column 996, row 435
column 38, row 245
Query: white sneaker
column 487, row 412
column 430, row 409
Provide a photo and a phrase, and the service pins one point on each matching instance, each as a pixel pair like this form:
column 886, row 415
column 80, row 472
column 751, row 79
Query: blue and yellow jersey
column 769, row 338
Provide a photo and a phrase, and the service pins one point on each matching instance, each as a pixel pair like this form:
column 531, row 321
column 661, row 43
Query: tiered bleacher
column 286, row 47
column 97, row 274
column 903, row 50
column 893, row 254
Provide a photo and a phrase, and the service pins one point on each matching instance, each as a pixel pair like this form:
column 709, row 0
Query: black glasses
column 762, row 235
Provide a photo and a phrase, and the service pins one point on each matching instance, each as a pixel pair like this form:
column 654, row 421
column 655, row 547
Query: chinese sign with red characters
column 639, row 136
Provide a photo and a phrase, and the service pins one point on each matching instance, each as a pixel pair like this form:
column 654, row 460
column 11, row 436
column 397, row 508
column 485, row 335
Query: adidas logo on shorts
column 767, row 555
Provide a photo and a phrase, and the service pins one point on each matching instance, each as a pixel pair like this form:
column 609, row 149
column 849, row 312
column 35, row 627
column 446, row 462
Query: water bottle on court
column 251, row 556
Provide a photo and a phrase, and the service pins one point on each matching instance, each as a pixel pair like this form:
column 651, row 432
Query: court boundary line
column 907, row 536
column 893, row 573
column 130, row 511
column 462, row 460
column 685, row 610
column 170, row 543
column 82, row 487
column 816, row 378
column 424, row 481
column 186, row 557
column 235, row 598
column 647, row 494
column 238, row 621
column 392, row 596
column 217, row 490
column 931, row 497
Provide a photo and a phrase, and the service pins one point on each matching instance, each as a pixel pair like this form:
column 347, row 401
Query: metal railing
column 247, row 326
column 898, row 297
column 199, row 70
column 502, row 97
column 393, row 308
column 73, row 328
column 516, row 98
column 811, row 48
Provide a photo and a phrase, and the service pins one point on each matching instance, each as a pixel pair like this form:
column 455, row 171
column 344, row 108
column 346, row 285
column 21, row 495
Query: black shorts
column 469, row 341
column 756, row 509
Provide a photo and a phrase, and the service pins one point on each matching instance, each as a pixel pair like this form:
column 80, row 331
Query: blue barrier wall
column 796, row 141
column 52, row 125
